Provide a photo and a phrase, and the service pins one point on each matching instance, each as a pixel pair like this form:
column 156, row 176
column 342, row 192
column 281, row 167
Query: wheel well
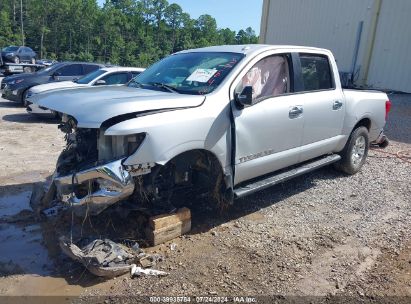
column 365, row 122
column 22, row 95
column 196, row 173
column 196, row 157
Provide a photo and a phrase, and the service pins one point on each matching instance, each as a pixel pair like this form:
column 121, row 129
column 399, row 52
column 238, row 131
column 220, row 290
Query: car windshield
column 90, row 77
column 11, row 48
column 194, row 73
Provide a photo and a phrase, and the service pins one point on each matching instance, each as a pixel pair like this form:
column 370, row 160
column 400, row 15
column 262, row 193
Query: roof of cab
column 250, row 48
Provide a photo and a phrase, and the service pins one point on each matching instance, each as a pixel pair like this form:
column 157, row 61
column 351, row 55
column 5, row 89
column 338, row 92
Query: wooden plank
column 166, row 220
column 159, row 236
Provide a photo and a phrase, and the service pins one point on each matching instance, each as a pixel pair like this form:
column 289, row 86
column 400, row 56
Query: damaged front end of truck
column 90, row 173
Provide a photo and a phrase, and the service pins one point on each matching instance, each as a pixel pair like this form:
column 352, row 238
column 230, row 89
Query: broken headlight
column 116, row 147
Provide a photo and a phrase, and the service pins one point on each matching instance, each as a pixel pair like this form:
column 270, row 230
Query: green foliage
column 124, row 32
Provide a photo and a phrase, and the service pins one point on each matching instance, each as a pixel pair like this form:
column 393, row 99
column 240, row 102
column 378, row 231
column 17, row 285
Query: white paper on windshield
column 202, row 75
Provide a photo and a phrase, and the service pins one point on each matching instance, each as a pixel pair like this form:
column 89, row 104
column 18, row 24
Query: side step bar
column 284, row 176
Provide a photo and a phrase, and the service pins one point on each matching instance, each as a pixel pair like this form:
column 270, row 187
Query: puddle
column 21, row 249
column 13, row 204
column 29, row 255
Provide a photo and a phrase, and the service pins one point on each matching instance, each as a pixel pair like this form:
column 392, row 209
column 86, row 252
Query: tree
column 125, row 32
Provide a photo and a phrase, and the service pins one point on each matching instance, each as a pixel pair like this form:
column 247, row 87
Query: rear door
column 269, row 132
column 324, row 106
column 69, row 72
column 88, row 68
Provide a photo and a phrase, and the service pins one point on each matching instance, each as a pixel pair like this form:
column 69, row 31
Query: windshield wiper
column 164, row 86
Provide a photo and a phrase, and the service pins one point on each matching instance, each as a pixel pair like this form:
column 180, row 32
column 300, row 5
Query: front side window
column 316, row 72
column 134, row 74
column 70, row 70
column 118, row 78
column 90, row 77
column 194, row 73
column 269, row 77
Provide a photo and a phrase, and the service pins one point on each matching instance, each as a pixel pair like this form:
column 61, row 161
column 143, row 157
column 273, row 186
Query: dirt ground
column 318, row 235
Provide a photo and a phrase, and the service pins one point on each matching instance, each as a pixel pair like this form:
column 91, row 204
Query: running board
column 284, row 176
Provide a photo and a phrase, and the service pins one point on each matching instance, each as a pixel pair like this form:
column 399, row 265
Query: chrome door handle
column 337, row 105
column 295, row 112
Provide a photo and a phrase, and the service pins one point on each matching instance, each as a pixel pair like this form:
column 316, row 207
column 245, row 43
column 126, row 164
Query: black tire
column 57, row 115
column 355, row 152
column 23, row 98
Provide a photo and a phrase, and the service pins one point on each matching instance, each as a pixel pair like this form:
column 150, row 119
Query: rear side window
column 88, row 68
column 70, row 70
column 316, row 72
column 118, row 78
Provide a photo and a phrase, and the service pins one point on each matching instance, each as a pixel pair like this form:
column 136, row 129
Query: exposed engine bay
column 90, row 174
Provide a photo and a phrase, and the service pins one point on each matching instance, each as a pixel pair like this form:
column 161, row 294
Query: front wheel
column 24, row 98
column 355, row 152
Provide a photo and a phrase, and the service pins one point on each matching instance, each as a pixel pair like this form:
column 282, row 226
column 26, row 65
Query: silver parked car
column 103, row 77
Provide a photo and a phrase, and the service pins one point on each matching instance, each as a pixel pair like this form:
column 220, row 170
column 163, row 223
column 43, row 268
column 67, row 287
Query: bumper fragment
column 107, row 184
column 382, row 141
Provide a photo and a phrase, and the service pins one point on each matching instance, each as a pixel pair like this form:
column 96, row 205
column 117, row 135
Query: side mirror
column 245, row 98
column 100, row 82
column 56, row 75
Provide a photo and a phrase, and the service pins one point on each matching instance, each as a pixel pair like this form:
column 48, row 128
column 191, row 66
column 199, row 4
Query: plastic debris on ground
column 138, row 271
column 105, row 258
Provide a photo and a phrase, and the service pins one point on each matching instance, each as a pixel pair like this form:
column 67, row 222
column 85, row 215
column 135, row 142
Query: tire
column 16, row 60
column 23, row 98
column 355, row 152
column 33, row 61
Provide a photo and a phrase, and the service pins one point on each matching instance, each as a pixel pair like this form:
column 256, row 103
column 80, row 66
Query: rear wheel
column 355, row 152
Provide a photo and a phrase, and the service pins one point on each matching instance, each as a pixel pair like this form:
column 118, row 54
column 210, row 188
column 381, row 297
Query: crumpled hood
column 92, row 106
column 55, row 85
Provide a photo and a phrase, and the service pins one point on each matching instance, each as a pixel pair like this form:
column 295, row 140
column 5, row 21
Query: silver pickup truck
column 219, row 122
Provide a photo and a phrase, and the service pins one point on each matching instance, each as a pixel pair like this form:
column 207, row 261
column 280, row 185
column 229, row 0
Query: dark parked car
column 18, row 54
column 16, row 87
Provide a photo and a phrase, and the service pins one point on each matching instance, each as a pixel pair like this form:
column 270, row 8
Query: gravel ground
column 317, row 235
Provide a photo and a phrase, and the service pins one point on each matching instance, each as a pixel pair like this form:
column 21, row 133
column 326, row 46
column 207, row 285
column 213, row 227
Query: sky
column 234, row 14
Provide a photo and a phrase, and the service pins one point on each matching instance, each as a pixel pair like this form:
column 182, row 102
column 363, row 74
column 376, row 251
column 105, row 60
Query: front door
column 269, row 132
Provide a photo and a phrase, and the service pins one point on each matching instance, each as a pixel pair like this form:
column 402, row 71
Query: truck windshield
column 90, row 77
column 194, row 73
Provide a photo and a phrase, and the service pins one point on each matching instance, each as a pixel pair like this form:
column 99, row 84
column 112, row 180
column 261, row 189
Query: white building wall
column 391, row 58
column 333, row 24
